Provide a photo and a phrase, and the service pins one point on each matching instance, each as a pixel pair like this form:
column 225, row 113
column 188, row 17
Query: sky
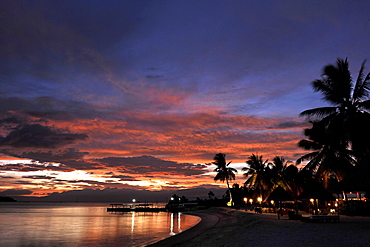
column 114, row 100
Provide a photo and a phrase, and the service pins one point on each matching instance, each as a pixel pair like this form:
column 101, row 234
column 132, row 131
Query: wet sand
column 230, row 227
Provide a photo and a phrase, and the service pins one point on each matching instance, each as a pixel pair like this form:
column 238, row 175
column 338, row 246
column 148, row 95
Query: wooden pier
column 135, row 208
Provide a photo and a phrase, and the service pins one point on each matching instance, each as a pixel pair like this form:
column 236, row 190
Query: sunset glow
column 106, row 100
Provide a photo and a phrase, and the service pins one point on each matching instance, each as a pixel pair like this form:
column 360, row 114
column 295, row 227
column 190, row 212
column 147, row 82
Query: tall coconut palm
column 224, row 172
column 338, row 130
column 259, row 176
column 348, row 98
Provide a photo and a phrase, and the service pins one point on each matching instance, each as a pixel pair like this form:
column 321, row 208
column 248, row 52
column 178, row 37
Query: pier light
column 172, row 198
column 312, row 200
column 259, row 199
column 336, row 205
column 272, row 202
column 245, row 200
column 133, row 200
column 251, row 200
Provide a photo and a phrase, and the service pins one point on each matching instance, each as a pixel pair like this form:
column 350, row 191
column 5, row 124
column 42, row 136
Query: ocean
column 82, row 224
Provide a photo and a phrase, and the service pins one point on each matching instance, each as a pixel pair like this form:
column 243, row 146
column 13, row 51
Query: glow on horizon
column 44, row 182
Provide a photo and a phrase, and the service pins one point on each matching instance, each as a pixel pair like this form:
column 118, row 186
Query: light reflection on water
column 31, row 224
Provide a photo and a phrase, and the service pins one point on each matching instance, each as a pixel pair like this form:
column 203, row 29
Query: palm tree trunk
column 231, row 197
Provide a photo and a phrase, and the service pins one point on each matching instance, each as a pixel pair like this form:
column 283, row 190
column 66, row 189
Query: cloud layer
column 140, row 95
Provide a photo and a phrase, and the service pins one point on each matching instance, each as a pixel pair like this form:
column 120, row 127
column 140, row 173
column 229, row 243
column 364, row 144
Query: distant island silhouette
column 7, row 199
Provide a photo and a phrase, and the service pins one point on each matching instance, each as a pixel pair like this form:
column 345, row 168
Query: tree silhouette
column 211, row 194
column 224, row 172
column 338, row 131
column 259, row 176
column 278, row 169
column 327, row 159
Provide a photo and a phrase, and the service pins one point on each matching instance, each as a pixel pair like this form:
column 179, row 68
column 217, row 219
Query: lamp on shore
column 259, row 199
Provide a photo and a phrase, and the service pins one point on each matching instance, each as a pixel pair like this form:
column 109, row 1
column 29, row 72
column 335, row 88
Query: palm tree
column 338, row 89
column 338, row 133
column 224, row 173
column 278, row 169
column 328, row 159
column 294, row 179
column 259, row 176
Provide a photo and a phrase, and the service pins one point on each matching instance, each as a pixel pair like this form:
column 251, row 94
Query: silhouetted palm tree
column 338, row 132
column 224, row 172
column 294, row 179
column 259, row 176
column 278, row 169
column 338, row 89
column 328, row 159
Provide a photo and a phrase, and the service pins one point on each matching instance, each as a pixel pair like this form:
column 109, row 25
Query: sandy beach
column 230, row 227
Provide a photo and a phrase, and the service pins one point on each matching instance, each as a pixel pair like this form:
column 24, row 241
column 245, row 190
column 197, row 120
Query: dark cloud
column 41, row 46
column 31, row 166
column 58, row 156
column 125, row 178
column 83, row 164
column 21, row 167
column 11, row 120
column 28, row 182
column 38, row 177
column 39, row 136
column 153, row 76
column 290, row 124
column 14, row 192
column 149, row 164
column 67, row 160
column 46, row 107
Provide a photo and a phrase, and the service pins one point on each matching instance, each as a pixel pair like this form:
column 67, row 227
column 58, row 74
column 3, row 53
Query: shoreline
column 237, row 228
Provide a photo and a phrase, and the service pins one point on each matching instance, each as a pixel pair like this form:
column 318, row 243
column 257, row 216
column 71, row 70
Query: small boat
column 129, row 207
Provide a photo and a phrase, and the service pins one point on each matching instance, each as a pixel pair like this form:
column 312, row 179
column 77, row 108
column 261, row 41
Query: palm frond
column 219, row 177
column 309, row 145
column 337, row 79
column 319, row 112
column 364, row 105
column 308, row 156
column 360, row 91
column 312, row 164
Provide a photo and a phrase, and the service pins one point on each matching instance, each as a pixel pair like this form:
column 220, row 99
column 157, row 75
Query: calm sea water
column 35, row 224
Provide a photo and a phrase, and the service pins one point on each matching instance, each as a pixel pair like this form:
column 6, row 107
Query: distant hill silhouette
column 7, row 199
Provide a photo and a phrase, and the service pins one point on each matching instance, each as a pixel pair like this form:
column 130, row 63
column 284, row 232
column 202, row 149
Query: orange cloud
column 144, row 149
